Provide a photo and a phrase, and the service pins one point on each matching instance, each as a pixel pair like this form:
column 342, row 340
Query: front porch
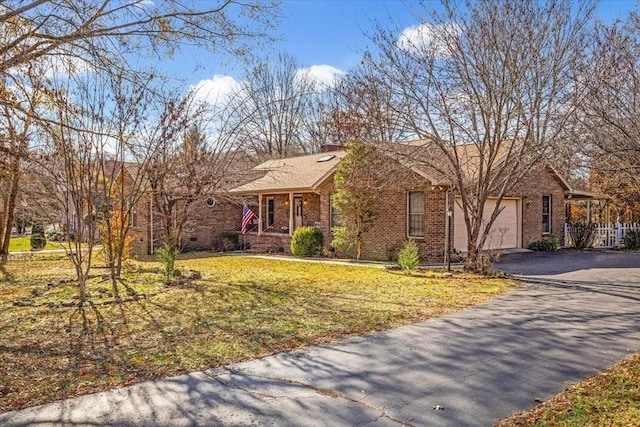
column 281, row 214
column 278, row 215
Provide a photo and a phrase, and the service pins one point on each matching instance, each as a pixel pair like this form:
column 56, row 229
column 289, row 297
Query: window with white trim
column 415, row 214
column 271, row 211
column 546, row 214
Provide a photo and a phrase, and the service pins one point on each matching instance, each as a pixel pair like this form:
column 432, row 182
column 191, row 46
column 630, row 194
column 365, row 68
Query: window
column 546, row 214
column 133, row 215
column 335, row 220
column 271, row 212
column 415, row 214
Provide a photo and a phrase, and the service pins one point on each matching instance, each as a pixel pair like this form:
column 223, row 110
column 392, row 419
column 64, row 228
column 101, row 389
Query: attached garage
column 506, row 230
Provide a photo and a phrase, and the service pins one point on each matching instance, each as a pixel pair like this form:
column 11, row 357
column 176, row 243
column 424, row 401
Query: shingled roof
column 302, row 173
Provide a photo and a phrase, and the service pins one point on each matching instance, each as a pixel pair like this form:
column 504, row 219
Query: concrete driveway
column 466, row 369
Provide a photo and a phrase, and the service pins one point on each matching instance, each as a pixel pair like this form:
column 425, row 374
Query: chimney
column 326, row 148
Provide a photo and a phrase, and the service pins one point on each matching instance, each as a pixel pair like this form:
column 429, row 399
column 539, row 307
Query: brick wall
column 139, row 232
column 540, row 182
column 201, row 232
column 388, row 233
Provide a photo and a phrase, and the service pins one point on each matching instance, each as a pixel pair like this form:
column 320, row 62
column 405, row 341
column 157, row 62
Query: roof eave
column 584, row 195
column 273, row 191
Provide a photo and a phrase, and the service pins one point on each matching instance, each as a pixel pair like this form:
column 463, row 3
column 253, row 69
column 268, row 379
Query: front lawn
column 232, row 309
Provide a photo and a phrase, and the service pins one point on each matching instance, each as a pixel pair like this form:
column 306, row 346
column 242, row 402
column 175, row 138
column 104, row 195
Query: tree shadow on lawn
column 480, row 364
column 90, row 351
column 5, row 275
column 117, row 344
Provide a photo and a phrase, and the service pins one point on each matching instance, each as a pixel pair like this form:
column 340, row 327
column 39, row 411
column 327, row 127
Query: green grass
column 608, row 398
column 240, row 309
column 24, row 244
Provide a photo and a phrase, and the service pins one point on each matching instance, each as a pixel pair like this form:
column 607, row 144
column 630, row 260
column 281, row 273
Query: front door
column 297, row 212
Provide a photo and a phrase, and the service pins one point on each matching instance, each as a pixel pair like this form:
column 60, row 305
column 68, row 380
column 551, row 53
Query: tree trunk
column 9, row 210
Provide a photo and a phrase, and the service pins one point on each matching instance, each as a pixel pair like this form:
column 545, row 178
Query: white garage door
column 505, row 232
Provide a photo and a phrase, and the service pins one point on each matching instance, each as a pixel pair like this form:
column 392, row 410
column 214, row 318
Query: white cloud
column 215, row 90
column 63, row 65
column 427, row 38
column 145, row 4
column 323, row 74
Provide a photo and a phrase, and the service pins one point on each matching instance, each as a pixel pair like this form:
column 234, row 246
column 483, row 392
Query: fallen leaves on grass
column 608, row 398
column 234, row 309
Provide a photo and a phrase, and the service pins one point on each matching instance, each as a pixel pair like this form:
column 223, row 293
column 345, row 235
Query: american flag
column 247, row 217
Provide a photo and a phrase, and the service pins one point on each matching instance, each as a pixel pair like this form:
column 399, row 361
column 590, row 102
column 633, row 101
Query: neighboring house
column 294, row 192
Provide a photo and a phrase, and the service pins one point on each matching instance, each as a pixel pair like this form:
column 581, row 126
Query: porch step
column 267, row 243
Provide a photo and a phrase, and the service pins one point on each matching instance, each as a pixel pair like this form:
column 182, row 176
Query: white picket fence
column 607, row 235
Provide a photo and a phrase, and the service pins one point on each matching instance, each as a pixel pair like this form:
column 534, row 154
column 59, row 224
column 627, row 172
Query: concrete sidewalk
column 466, row 369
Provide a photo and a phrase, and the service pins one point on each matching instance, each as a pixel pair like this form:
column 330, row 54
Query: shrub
column 546, row 244
column 306, row 241
column 167, row 256
column 38, row 239
column 409, row 256
column 231, row 240
column 631, row 239
column 582, row 235
column 342, row 241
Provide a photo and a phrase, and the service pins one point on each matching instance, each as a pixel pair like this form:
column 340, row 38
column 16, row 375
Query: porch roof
column 585, row 195
column 302, row 173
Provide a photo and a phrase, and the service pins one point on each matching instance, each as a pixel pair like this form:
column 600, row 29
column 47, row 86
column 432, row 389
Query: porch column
column 290, row 214
column 259, row 214
column 588, row 211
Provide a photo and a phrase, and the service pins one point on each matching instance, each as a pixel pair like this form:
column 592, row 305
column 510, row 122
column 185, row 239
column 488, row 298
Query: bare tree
column 70, row 168
column 271, row 104
column 196, row 156
column 317, row 127
column 609, row 111
column 14, row 148
column 71, row 38
column 123, row 162
column 362, row 108
column 79, row 28
column 486, row 86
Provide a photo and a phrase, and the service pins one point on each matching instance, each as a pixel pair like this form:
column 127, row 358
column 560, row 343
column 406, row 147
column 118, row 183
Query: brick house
column 208, row 217
column 296, row 191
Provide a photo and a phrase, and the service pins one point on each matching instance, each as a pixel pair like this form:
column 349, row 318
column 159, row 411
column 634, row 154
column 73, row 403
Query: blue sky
column 329, row 33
